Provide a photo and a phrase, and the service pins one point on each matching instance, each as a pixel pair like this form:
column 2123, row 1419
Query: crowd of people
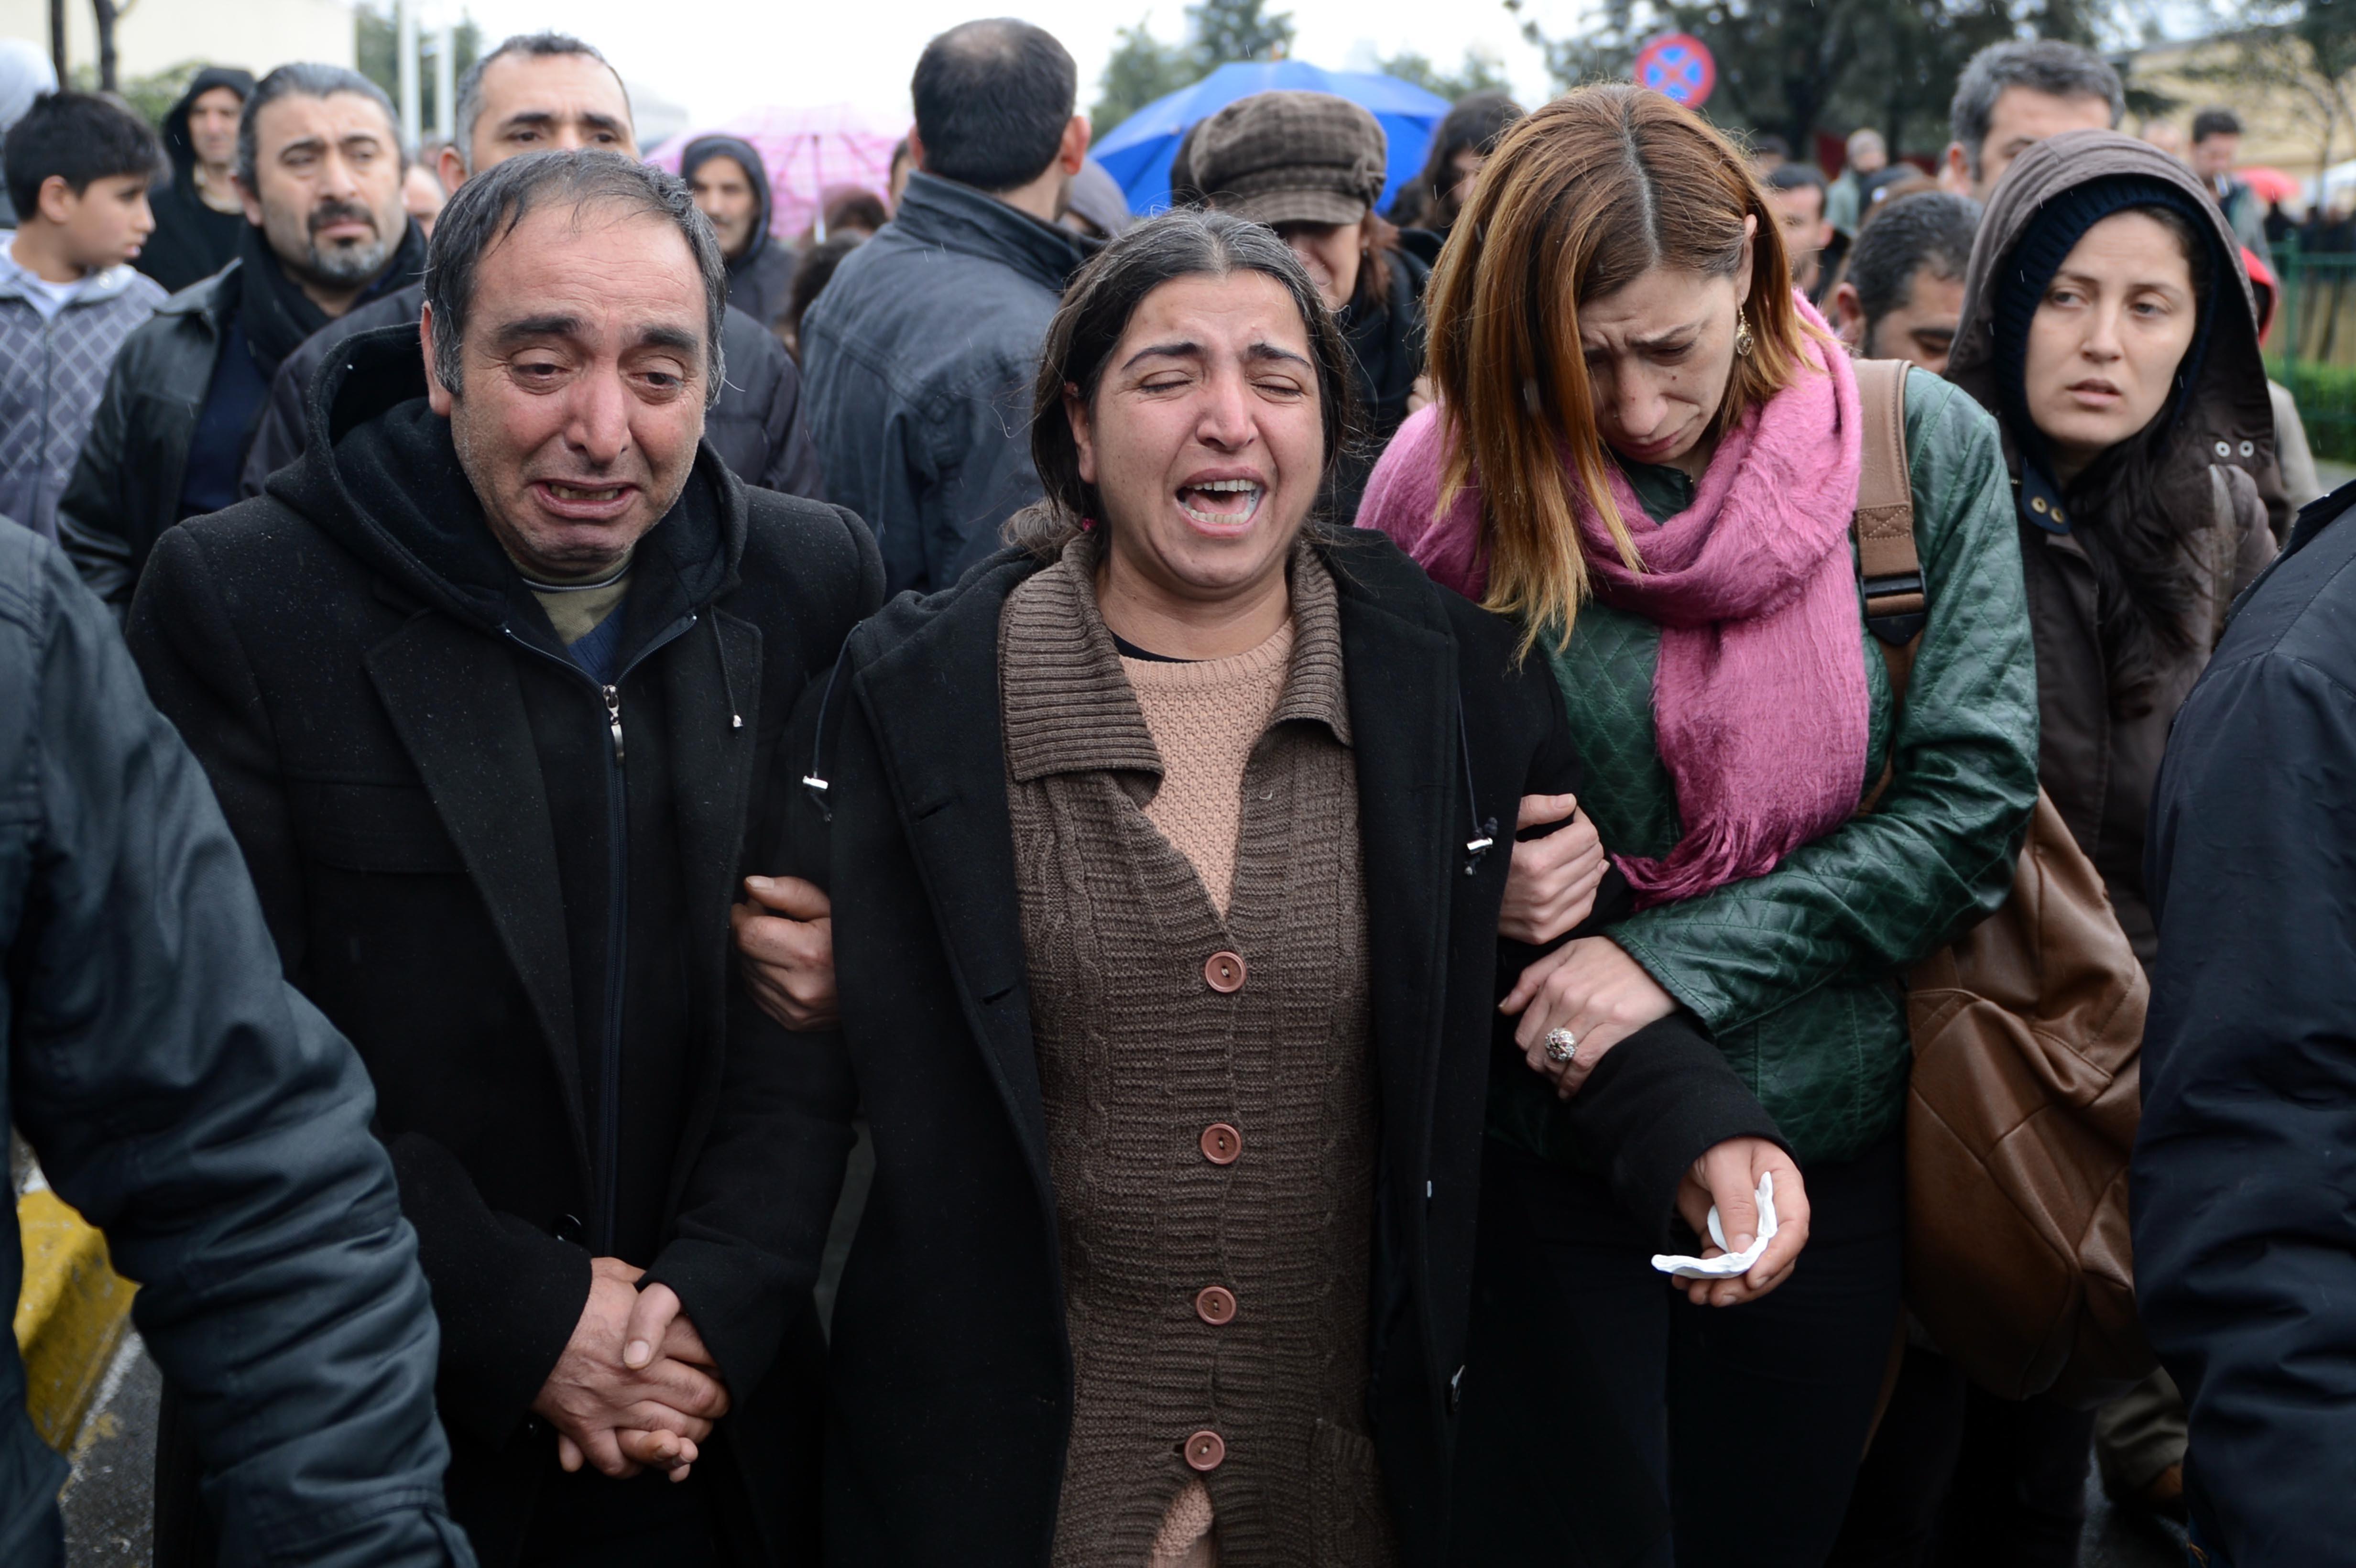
column 1271, row 883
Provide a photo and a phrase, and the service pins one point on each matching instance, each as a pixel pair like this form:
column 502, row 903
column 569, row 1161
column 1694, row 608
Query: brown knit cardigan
column 1142, row 1054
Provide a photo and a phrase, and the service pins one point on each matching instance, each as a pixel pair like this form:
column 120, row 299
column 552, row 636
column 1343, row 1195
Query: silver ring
column 1561, row 1046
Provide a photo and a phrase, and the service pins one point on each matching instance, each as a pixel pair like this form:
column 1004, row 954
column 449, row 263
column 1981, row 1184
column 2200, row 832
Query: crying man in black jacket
column 491, row 685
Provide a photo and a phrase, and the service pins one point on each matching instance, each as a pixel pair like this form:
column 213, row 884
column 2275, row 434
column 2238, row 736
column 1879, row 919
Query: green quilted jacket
column 1797, row 973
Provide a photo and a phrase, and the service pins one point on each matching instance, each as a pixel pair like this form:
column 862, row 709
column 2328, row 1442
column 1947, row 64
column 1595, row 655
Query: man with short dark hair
column 731, row 185
column 79, row 168
column 2216, row 148
column 492, row 690
column 1796, row 192
column 921, row 351
column 537, row 93
column 199, row 214
column 318, row 170
column 2015, row 94
column 1902, row 295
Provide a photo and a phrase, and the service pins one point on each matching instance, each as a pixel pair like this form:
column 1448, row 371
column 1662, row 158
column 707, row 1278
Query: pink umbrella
column 808, row 152
column 2269, row 183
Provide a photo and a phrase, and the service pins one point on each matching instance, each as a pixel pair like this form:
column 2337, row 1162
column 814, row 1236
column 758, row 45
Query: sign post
column 1678, row 65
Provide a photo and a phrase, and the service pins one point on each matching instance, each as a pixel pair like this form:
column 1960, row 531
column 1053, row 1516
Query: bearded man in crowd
column 318, row 167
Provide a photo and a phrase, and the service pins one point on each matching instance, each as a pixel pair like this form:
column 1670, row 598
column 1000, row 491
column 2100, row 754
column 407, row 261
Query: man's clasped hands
column 635, row 1389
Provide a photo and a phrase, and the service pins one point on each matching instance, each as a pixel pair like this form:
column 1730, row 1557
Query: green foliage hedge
column 2326, row 395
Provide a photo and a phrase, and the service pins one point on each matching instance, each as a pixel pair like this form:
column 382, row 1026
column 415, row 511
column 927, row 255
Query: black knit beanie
column 2053, row 231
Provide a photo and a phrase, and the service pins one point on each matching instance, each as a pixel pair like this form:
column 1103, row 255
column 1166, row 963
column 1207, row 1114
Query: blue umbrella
column 1138, row 150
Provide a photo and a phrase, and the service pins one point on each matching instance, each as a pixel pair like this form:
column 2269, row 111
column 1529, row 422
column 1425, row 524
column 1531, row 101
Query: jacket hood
column 707, row 147
column 2226, row 414
column 380, row 476
column 175, row 124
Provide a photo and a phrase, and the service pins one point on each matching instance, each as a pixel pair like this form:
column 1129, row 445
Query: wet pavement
column 107, row 1503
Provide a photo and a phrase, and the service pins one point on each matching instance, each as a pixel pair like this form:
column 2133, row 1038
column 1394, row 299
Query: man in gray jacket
column 204, row 1116
column 921, row 351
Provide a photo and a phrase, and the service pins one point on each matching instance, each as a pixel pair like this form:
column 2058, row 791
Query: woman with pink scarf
column 1647, row 449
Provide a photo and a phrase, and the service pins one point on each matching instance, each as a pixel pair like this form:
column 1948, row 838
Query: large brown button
column 1207, row 1450
column 1222, row 1143
column 1224, row 972
column 1215, row 1304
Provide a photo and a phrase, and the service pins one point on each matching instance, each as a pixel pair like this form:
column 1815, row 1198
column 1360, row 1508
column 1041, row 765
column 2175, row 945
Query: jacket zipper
column 608, row 1163
column 617, row 947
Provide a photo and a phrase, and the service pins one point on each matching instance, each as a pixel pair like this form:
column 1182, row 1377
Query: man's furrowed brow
column 523, row 330
column 678, row 337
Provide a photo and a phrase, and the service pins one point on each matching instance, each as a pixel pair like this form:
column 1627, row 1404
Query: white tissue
column 1727, row 1264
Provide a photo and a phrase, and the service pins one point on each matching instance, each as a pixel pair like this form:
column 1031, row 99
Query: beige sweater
column 1205, row 718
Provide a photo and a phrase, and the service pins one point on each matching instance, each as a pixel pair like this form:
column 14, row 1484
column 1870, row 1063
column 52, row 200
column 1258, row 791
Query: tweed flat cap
column 1290, row 157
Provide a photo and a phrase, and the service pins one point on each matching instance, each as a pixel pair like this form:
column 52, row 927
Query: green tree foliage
column 378, row 55
column 1795, row 66
column 1481, row 72
column 1143, row 67
column 1225, row 30
column 150, row 97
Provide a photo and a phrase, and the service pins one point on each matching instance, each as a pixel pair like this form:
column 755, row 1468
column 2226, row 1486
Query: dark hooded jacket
column 1386, row 338
column 516, row 903
column 2243, row 1198
column 191, row 240
column 761, row 281
column 209, row 1120
column 2097, row 765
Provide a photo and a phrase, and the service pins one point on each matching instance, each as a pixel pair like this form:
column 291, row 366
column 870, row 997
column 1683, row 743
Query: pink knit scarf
column 1759, row 698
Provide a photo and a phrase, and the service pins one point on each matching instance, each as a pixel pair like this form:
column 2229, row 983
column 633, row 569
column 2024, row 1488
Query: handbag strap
column 1889, row 566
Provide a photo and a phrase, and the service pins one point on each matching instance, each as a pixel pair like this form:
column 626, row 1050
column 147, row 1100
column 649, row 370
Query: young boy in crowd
column 78, row 170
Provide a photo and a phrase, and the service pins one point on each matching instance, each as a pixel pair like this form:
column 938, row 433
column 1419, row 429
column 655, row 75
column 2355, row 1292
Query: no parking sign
column 1679, row 66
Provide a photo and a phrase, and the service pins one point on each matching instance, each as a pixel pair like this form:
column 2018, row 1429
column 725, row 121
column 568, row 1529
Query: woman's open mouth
column 1224, row 503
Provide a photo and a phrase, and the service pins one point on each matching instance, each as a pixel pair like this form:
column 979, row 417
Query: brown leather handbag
column 2022, row 1110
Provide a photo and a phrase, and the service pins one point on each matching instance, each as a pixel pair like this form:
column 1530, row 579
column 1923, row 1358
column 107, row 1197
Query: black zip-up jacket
column 202, row 1114
column 950, row 1377
column 125, row 489
column 519, row 914
column 2244, row 1198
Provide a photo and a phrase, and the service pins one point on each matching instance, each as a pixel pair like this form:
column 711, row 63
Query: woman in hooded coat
column 2108, row 324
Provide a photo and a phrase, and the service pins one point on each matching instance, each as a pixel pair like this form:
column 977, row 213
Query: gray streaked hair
column 491, row 205
column 2042, row 65
column 537, row 46
column 308, row 79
